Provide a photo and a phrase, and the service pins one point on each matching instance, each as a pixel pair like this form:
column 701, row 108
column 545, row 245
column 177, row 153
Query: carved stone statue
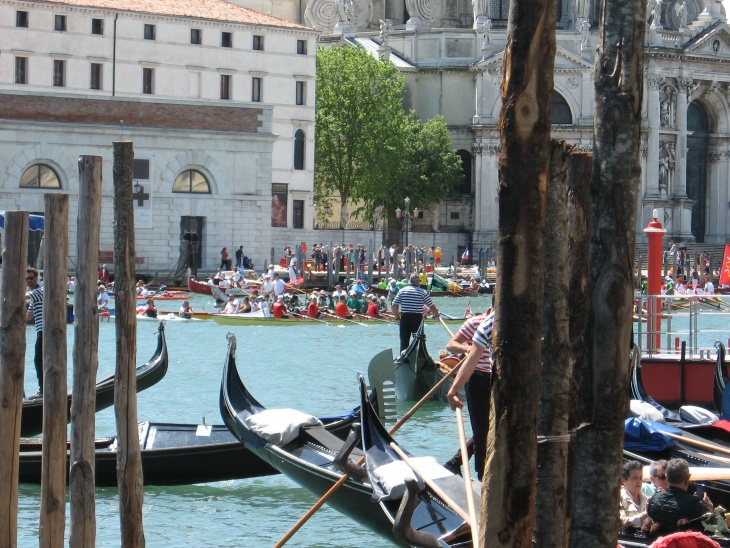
column 385, row 28
column 657, row 22
column 681, row 11
column 666, row 166
column 584, row 26
column 664, row 116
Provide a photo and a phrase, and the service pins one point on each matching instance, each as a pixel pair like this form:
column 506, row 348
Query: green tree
column 368, row 149
column 359, row 107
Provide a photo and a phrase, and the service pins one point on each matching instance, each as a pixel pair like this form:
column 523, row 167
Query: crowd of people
column 670, row 502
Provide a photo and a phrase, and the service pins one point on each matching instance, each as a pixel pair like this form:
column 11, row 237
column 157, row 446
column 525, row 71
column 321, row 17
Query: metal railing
column 698, row 320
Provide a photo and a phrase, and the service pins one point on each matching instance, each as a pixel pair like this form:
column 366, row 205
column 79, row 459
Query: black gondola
column 315, row 459
column 416, row 372
column 148, row 375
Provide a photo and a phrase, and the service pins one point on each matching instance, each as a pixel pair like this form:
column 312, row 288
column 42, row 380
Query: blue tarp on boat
column 35, row 222
column 646, row 435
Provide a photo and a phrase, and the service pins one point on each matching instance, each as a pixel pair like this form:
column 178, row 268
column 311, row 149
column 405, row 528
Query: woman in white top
column 632, row 509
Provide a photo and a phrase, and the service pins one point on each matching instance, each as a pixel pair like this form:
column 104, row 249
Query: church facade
column 451, row 54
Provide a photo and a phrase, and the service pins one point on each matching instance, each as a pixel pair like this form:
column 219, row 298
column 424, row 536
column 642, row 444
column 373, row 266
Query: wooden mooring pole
column 55, row 387
column 12, row 367
column 129, row 459
column 85, row 356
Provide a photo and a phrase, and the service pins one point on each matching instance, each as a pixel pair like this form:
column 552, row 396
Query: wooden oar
column 371, row 318
column 332, row 490
column 436, row 489
column 445, row 326
column 709, row 446
column 335, row 317
column 311, row 319
column 466, row 471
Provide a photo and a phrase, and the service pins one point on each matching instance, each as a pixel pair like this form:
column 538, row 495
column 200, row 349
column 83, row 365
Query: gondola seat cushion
column 697, row 415
column 280, row 426
column 392, row 476
column 643, row 410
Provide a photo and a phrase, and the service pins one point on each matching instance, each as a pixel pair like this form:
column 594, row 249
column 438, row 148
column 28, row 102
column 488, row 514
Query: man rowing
column 408, row 307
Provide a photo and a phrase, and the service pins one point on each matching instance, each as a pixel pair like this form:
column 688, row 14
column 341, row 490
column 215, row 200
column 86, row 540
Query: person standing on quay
column 35, row 312
column 408, row 308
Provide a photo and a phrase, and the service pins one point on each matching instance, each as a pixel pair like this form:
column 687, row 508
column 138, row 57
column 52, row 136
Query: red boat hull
column 672, row 382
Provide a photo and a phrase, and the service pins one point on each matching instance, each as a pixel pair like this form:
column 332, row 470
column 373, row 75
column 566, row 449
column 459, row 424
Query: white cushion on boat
column 393, row 476
column 280, row 426
column 644, row 410
column 430, row 468
column 697, row 415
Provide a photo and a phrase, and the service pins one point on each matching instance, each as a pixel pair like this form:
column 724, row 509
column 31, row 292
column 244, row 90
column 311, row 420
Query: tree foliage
column 369, row 151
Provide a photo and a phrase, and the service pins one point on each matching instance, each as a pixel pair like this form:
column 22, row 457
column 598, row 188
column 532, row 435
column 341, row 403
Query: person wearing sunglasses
column 658, row 476
column 35, row 313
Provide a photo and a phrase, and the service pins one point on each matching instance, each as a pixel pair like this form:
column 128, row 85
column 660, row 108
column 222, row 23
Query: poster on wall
column 279, row 197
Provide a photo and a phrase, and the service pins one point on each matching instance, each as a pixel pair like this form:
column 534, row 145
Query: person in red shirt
column 341, row 310
column 313, row 309
column 373, row 308
column 279, row 308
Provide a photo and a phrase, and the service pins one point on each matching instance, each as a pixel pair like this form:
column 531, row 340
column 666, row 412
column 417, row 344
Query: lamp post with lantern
column 407, row 216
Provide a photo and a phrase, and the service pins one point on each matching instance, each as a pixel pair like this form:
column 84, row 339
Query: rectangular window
column 59, row 23
column 59, row 73
column 149, row 32
column 195, row 36
column 298, row 213
column 148, row 77
column 256, row 90
column 141, row 169
column 454, row 215
column 97, row 26
column 21, row 19
column 226, row 40
column 21, row 70
column 95, row 78
column 258, row 42
column 301, row 95
column 225, row 86
column 301, row 47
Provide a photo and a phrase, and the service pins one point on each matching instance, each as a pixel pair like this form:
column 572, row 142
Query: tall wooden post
column 55, row 387
column 129, row 459
column 552, row 458
column 12, row 367
column 85, row 356
column 619, row 72
column 508, row 496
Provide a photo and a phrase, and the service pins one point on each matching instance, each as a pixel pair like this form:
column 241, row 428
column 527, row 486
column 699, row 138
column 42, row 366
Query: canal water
column 308, row 367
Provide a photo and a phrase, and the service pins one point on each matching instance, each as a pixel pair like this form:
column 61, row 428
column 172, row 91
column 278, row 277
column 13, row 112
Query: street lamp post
column 407, row 217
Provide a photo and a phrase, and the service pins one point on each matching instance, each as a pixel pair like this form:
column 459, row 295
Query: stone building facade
column 218, row 100
column 451, row 54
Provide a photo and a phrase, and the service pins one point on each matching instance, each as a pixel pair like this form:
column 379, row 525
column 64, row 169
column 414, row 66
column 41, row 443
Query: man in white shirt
column 279, row 285
column 231, row 306
column 709, row 287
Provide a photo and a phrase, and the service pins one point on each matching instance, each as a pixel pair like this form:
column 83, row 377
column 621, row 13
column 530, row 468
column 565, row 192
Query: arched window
column 465, row 186
column 299, row 149
column 191, row 181
column 561, row 110
column 40, row 176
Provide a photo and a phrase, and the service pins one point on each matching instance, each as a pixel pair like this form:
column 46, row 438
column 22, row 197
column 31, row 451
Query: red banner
column 725, row 272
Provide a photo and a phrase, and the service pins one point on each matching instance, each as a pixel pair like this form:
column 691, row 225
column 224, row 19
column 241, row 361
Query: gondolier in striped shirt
column 478, row 384
column 408, row 308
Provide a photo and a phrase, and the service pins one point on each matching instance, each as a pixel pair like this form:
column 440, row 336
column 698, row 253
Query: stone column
column 478, row 97
column 717, row 193
column 586, row 99
column 654, row 84
column 680, row 166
